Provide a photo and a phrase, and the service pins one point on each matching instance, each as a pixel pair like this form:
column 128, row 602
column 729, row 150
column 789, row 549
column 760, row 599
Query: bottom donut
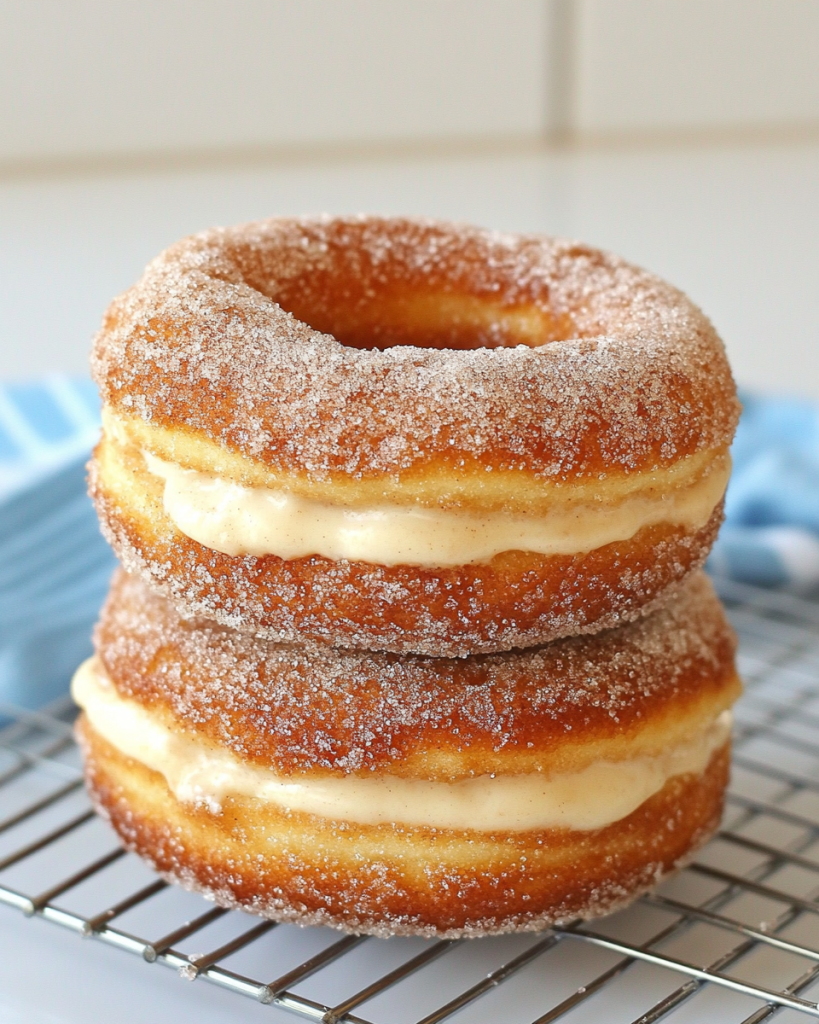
column 396, row 794
column 387, row 880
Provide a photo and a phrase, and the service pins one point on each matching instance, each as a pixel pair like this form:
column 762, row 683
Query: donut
column 388, row 794
column 409, row 436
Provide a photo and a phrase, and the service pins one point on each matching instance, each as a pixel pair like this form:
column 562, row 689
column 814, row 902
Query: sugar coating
column 202, row 342
column 412, row 881
column 296, row 708
column 614, row 894
column 442, row 613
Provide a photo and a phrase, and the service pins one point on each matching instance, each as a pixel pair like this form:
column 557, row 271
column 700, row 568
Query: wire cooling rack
column 734, row 937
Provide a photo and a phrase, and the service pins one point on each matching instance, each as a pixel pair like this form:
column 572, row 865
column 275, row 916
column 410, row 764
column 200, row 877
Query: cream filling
column 238, row 520
column 199, row 772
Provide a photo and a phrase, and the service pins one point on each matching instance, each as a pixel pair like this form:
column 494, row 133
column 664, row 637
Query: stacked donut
column 412, row 634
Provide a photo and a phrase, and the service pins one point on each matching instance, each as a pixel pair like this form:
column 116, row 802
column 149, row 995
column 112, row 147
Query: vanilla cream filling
column 238, row 520
column 199, row 772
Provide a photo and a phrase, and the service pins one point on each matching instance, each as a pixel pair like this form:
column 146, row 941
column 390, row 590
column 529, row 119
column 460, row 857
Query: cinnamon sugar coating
column 623, row 693
column 518, row 599
column 213, row 339
column 391, row 880
column 370, row 349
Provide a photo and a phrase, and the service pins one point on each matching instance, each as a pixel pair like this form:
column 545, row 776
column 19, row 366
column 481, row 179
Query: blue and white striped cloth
column 771, row 531
column 55, row 566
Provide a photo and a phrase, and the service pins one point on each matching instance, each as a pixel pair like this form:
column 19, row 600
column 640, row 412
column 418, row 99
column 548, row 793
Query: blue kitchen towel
column 771, row 531
column 54, row 564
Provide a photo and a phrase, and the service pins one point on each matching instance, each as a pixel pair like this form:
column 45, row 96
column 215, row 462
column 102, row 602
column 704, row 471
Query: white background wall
column 92, row 79
column 105, row 77
column 680, row 66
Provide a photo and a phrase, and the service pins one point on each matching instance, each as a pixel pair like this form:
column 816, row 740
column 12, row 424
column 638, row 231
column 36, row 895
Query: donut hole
column 438, row 320
column 379, row 283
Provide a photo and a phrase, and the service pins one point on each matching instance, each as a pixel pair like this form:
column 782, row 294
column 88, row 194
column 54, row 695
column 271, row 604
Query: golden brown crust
column 435, row 485
column 634, row 377
column 517, row 599
column 391, row 880
column 635, row 691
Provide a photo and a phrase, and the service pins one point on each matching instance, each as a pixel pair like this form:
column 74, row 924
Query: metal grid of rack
column 734, row 937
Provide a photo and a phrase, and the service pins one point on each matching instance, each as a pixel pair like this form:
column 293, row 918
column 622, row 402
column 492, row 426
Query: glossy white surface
column 737, row 228
column 111, row 989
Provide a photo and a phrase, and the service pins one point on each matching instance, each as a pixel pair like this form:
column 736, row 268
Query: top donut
column 369, row 346
column 573, row 410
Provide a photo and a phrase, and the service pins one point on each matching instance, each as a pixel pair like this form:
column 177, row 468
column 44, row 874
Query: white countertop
column 736, row 228
column 47, row 977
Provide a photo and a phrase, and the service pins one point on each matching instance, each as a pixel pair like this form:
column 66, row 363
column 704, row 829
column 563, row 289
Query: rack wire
column 733, row 937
